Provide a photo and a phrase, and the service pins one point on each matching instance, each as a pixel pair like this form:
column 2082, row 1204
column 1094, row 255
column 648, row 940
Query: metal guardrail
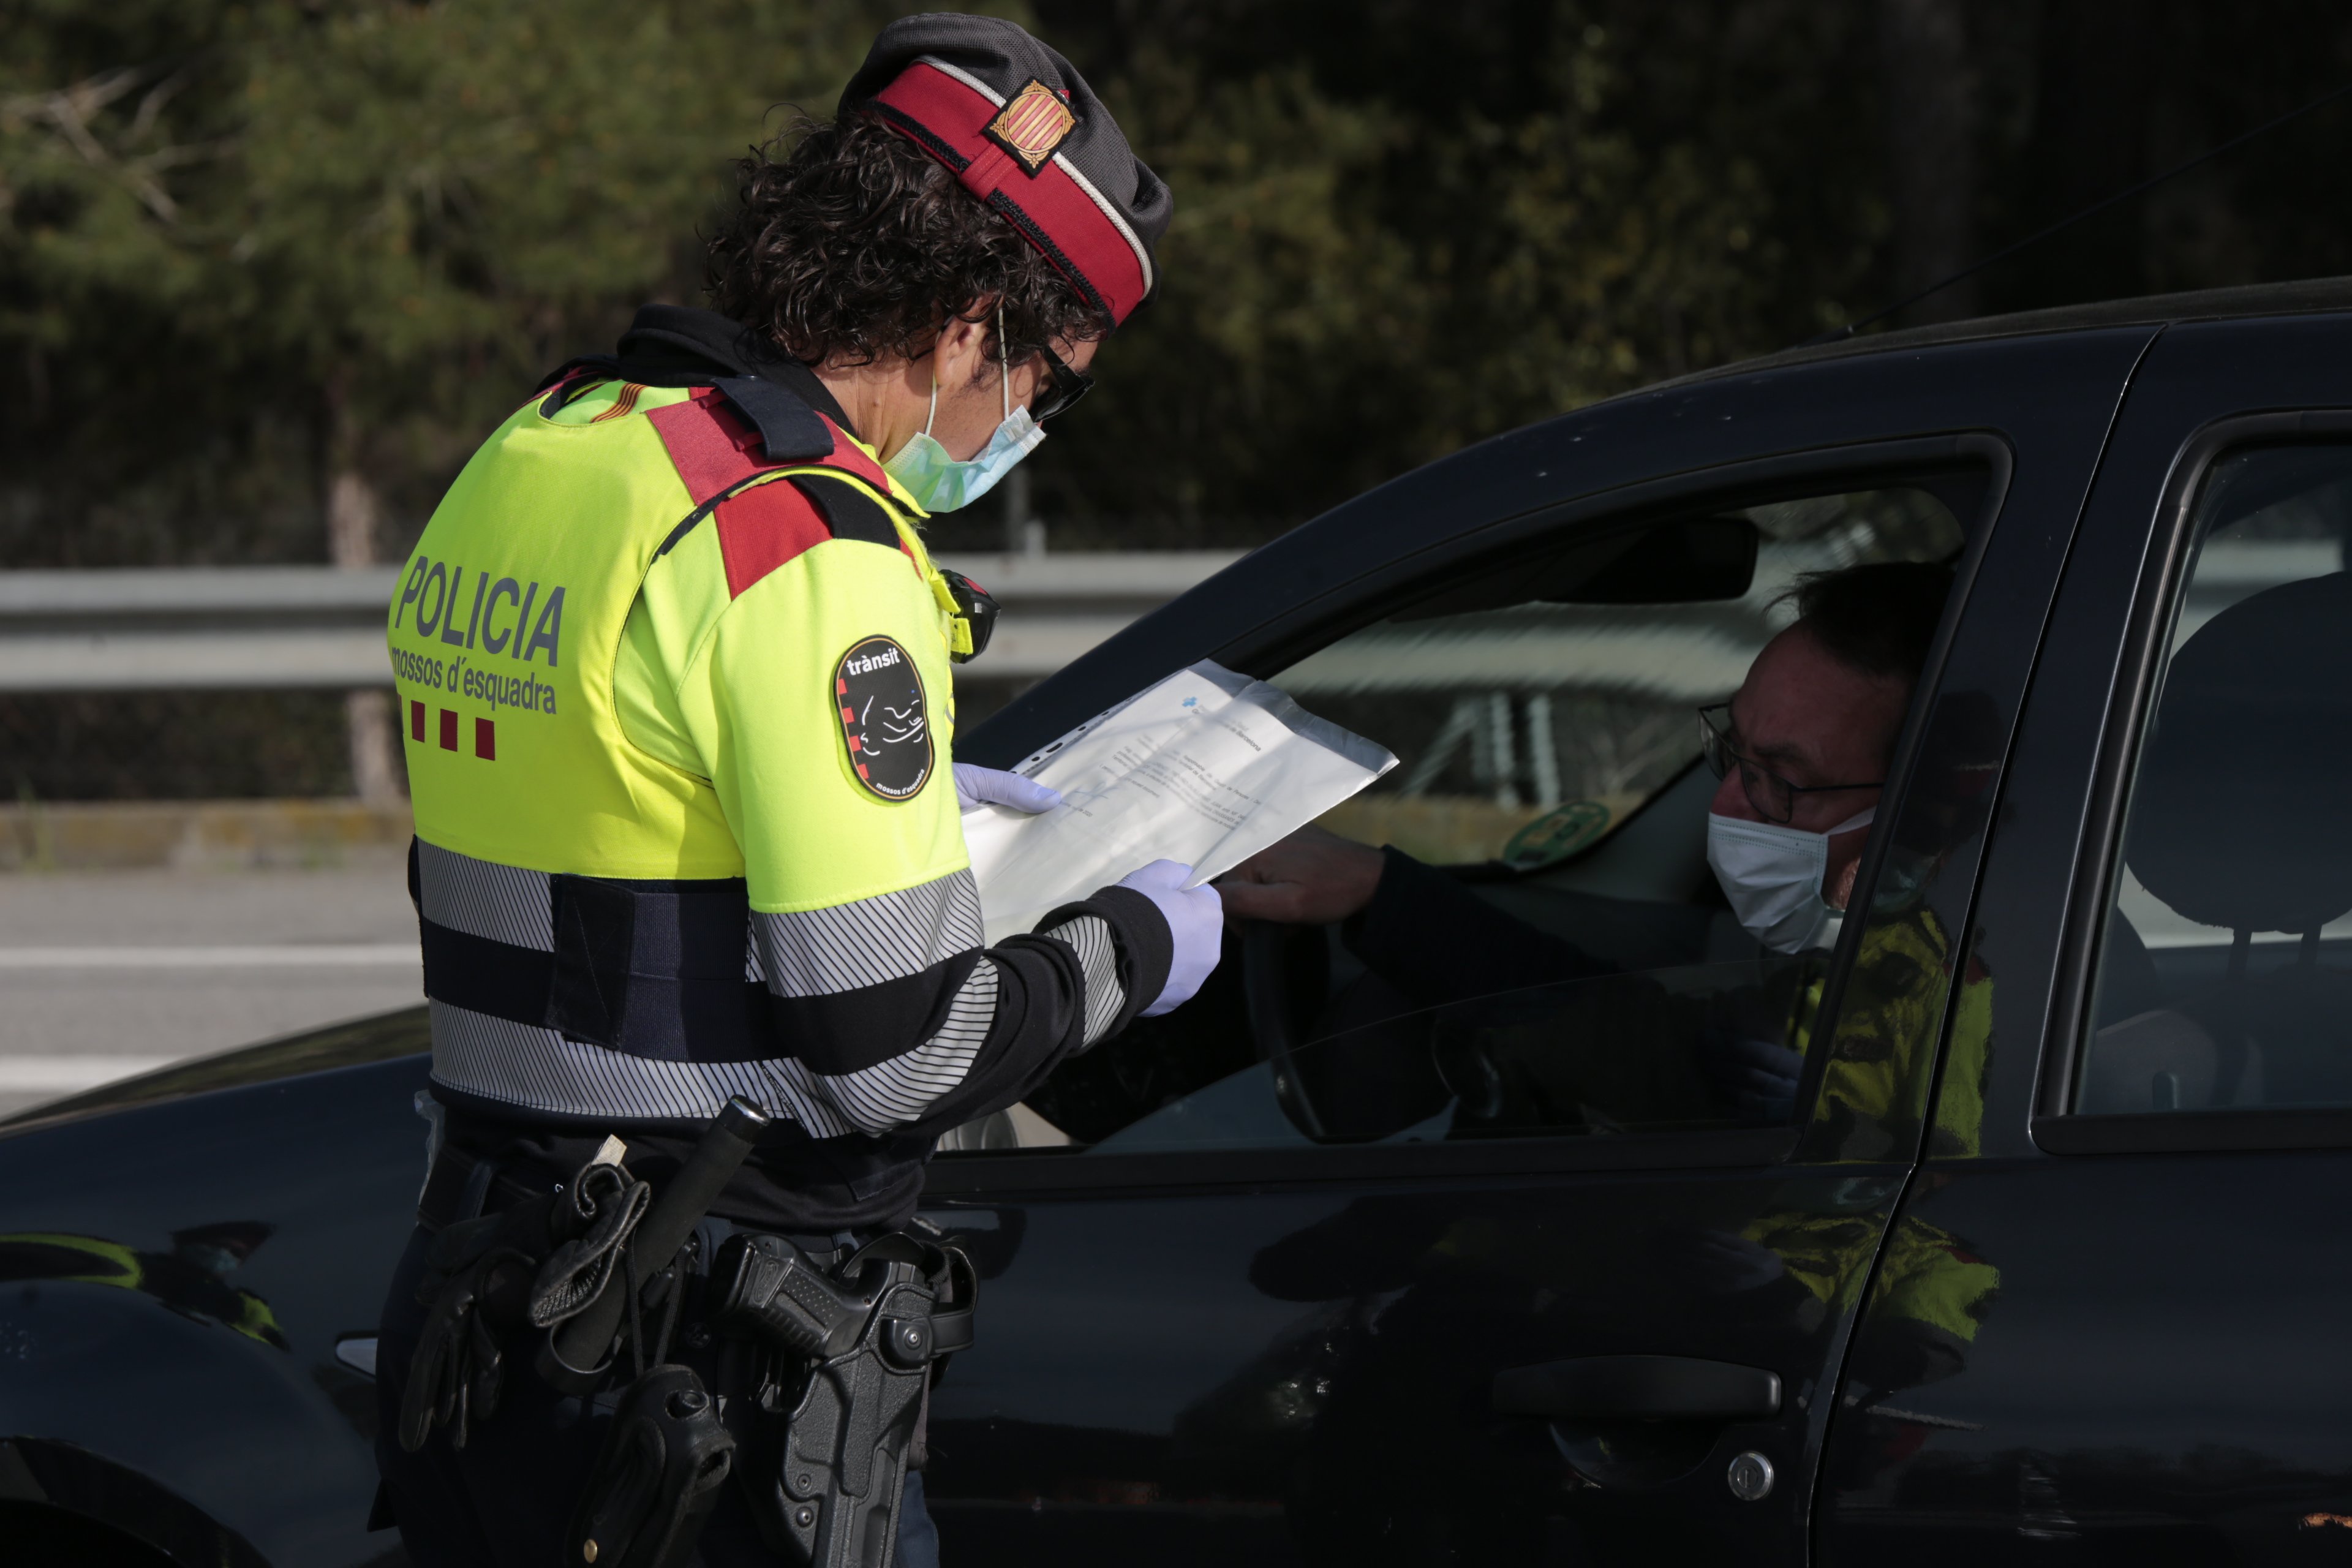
column 265, row 627
column 273, row 628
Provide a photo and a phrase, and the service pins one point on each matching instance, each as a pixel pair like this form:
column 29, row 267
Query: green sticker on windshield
column 1557, row 834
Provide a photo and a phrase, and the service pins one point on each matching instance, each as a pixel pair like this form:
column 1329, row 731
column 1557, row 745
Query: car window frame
column 2163, row 581
column 1379, row 592
column 1404, row 580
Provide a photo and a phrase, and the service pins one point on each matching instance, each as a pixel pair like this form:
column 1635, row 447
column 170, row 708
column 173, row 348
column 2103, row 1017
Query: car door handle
column 1638, row 1388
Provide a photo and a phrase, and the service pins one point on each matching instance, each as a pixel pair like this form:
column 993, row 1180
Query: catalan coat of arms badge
column 1031, row 124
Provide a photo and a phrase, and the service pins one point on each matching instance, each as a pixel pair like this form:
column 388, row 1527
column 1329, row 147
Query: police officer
column 675, row 668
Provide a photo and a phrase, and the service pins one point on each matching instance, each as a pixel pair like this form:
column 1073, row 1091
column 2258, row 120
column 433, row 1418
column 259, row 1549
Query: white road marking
column 289, row 955
column 63, row 1075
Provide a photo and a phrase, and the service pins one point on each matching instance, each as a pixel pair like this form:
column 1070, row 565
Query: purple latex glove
column 977, row 787
column 1196, row 925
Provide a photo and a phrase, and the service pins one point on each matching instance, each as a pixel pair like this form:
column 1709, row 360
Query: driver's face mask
column 941, row 483
column 1773, row 877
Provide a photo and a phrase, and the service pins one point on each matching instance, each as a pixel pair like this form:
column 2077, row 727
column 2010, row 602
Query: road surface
column 111, row 973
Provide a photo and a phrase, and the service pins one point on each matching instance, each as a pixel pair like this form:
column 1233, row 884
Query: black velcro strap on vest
column 848, row 512
column 595, row 932
column 647, row 969
column 790, row 430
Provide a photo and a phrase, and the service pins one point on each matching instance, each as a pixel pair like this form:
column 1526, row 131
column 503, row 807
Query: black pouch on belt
column 657, row 1477
column 537, row 1261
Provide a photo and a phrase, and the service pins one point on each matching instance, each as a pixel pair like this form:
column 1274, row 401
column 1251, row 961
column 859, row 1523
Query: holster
column 657, row 1477
column 861, row 1341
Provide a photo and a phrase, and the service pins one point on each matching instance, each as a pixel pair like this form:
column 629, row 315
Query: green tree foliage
column 245, row 245
column 1402, row 228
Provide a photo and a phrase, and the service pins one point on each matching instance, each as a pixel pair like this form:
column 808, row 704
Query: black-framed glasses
column 1774, row 797
column 1063, row 387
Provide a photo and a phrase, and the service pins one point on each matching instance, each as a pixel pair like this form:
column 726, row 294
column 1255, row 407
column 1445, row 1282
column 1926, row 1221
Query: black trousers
column 506, row 1499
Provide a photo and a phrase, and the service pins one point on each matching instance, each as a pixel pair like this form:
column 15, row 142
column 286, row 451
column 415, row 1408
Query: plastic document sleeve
column 1207, row 767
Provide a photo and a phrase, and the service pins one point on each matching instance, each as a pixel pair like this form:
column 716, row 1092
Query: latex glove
column 1196, row 924
column 977, row 787
column 1763, row 1078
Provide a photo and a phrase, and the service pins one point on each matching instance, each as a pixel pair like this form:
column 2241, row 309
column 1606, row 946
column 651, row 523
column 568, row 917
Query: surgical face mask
column 1773, row 877
column 941, row 483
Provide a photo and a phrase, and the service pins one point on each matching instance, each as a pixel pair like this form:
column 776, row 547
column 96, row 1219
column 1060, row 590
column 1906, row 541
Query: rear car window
column 2224, row 977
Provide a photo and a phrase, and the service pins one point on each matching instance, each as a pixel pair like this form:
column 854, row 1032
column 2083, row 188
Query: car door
column 1303, row 1272
column 2149, row 1364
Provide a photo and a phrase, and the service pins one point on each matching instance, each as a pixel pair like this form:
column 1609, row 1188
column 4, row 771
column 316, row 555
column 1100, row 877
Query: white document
column 1208, row 767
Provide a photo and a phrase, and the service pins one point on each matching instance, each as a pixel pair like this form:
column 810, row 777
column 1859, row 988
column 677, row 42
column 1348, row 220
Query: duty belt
column 825, row 1391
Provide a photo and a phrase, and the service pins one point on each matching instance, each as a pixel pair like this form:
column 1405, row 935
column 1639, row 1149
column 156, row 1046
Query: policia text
column 437, row 590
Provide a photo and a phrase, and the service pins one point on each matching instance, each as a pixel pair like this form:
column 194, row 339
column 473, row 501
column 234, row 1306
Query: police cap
column 1024, row 133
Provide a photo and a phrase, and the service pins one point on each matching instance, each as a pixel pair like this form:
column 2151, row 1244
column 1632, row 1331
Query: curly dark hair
column 850, row 242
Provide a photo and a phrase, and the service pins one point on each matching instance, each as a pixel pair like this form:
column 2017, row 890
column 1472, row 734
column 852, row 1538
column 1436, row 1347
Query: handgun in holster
column 867, row 1336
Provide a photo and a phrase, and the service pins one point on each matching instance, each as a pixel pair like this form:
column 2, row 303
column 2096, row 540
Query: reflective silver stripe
column 817, row 952
column 539, row 1069
column 484, row 899
column 1099, row 957
column 904, row 1089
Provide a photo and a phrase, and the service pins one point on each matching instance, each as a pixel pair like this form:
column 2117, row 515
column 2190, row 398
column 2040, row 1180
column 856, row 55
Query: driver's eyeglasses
column 1063, row 388
column 1774, row 797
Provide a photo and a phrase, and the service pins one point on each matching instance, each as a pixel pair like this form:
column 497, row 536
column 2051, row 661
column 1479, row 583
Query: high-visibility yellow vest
column 672, row 663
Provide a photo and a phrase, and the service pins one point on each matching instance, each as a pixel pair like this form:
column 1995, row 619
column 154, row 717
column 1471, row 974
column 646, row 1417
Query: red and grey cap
column 1024, row 133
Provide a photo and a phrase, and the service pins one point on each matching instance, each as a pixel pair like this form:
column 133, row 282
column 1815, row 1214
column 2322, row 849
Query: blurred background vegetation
column 269, row 270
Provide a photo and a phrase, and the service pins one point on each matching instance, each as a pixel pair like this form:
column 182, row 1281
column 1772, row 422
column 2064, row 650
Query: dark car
column 2052, row 1257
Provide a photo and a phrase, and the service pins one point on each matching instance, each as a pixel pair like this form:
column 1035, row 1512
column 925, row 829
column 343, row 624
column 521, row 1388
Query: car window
column 1526, row 731
column 2224, row 974
column 1550, row 954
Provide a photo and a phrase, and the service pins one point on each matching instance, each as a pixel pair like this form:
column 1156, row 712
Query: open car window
column 2224, row 976
column 1549, row 955
column 1527, row 727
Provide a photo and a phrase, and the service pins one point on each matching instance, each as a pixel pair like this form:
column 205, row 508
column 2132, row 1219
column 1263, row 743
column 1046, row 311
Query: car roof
column 2306, row 295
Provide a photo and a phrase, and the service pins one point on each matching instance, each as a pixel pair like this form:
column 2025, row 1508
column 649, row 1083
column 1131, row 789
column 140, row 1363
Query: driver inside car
column 1803, row 751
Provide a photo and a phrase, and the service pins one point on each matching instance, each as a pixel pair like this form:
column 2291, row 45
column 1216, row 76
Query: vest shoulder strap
column 715, row 447
column 758, row 423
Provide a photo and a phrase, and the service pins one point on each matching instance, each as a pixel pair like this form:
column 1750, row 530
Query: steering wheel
column 1286, row 976
column 1350, row 1067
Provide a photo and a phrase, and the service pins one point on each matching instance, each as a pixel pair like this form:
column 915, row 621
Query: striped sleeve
column 901, row 1091
column 997, row 1020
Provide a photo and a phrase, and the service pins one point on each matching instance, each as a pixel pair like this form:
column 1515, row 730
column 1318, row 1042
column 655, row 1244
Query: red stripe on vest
column 714, row 448
column 761, row 529
column 709, row 444
column 1092, row 247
